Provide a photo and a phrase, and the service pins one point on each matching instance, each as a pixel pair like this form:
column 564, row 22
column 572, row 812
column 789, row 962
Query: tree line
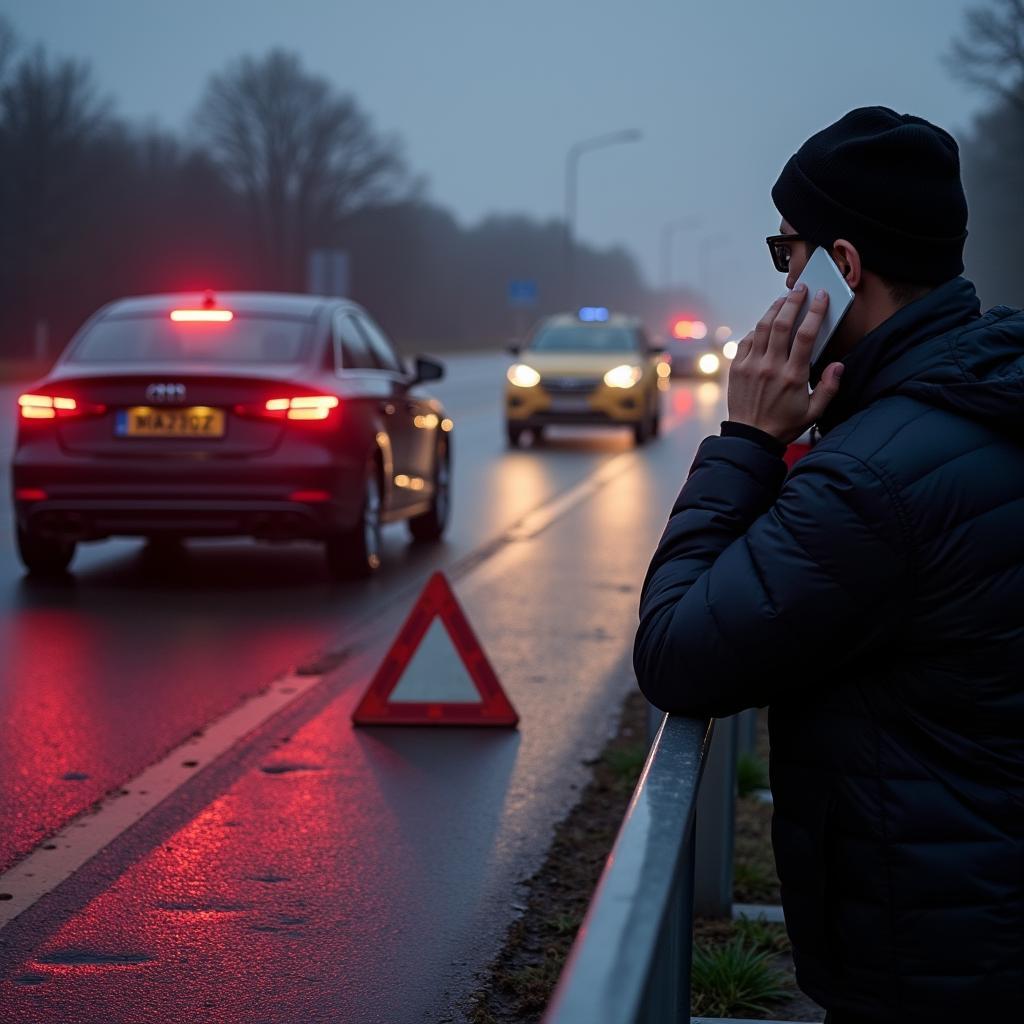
column 278, row 162
column 989, row 55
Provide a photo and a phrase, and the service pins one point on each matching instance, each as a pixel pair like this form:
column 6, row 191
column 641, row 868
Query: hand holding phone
column 768, row 385
column 821, row 273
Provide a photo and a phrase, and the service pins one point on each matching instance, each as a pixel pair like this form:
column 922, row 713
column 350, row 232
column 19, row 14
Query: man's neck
column 875, row 304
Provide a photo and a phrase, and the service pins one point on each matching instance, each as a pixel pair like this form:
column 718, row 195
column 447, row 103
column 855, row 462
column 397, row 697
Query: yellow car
column 592, row 367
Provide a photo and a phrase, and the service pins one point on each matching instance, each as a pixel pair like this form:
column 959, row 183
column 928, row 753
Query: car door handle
column 388, row 408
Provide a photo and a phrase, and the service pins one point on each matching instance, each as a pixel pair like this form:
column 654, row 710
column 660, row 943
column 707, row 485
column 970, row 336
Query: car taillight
column 29, row 494
column 310, row 497
column 202, row 316
column 302, row 407
column 51, row 407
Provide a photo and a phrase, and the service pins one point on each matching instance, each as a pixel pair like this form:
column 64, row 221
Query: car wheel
column 431, row 524
column 355, row 553
column 640, row 432
column 44, row 556
column 514, row 434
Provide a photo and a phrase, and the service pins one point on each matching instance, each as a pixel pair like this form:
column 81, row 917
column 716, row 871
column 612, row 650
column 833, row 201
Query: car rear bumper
column 92, row 502
column 93, row 520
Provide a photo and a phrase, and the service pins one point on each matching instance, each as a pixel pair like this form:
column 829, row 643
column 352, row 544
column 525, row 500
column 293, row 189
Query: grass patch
column 625, row 764
column 734, row 979
column 531, row 987
column 754, row 876
column 566, row 923
column 762, row 936
column 752, row 883
column 751, row 774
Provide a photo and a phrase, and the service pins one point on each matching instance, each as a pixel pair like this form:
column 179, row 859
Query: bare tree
column 8, row 44
column 50, row 118
column 991, row 53
column 301, row 153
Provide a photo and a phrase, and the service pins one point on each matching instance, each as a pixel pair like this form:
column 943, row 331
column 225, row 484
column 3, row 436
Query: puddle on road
column 32, row 978
column 285, row 767
column 93, row 958
column 286, row 923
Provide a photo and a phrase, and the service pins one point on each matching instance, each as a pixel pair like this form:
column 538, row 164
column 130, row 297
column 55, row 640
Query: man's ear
column 848, row 260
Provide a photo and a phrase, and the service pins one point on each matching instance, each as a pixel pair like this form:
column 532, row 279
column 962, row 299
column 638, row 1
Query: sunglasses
column 780, row 248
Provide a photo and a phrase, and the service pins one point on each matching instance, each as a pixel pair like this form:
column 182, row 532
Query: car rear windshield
column 158, row 339
column 580, row 338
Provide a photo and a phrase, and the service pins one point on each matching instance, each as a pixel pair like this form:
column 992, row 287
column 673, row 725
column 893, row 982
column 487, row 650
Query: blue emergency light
column 593, row 314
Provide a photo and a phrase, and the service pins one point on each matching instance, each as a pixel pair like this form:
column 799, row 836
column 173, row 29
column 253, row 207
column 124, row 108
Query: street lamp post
column 576, row 150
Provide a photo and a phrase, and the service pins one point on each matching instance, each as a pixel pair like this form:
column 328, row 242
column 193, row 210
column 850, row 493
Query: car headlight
column 523, row 376
column 624, row 376
column 730, row 348
column 709, row 363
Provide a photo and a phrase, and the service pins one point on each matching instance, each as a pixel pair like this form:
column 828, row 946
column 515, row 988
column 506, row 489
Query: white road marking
column 58, row 858
column 81, row 839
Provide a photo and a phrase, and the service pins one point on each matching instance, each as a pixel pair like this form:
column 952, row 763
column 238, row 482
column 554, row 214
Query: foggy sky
column 488, row 96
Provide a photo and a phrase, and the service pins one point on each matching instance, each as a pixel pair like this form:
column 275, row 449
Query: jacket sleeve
column 765, row 584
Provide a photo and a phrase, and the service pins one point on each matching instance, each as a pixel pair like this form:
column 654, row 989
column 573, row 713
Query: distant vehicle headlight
column 709, row 363
column 665, row 368
column 624, row 376
column 523, row 376
column 730, row 348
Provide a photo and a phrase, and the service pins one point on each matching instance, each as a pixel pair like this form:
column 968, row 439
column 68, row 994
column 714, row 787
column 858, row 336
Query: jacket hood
column 941, row 351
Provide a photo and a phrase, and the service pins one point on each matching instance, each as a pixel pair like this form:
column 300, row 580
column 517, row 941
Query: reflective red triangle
column 436, row 602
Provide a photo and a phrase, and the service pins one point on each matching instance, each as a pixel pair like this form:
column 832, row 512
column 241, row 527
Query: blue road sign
column 522, row 293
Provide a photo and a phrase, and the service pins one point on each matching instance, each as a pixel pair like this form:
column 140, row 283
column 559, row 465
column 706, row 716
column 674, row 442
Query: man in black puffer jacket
column 873, row 598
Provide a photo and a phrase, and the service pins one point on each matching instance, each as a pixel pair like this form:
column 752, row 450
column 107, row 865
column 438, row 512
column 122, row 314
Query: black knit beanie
column 887, row 182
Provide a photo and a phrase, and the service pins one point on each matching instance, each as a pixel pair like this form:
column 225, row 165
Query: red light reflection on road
column 82, row 709
column 682, row 402
column 271, row 890
column 51, row 723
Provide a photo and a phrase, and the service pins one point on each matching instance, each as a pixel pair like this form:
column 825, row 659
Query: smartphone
column 822, row 272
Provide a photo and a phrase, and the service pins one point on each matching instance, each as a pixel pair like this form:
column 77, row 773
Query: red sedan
column 245, row 414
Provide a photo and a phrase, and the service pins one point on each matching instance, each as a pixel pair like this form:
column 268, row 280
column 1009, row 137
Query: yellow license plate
column 195, row 421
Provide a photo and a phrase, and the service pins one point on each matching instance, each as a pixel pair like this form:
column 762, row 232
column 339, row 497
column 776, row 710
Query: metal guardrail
column 630, row 963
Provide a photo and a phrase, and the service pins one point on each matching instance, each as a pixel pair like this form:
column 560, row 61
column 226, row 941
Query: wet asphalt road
column 316, row 872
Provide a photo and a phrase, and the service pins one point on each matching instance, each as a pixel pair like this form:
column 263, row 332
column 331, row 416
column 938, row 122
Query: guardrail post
column 747, row 734
column 716, row 810
column 667, row 998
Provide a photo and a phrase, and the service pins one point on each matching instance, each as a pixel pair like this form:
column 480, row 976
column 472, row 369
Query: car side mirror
column 427, row 369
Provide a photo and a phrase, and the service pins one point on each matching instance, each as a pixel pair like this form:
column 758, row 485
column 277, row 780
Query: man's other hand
column 768, row 379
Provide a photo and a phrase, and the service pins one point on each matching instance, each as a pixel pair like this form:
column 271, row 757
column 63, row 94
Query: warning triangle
column 436, row 672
